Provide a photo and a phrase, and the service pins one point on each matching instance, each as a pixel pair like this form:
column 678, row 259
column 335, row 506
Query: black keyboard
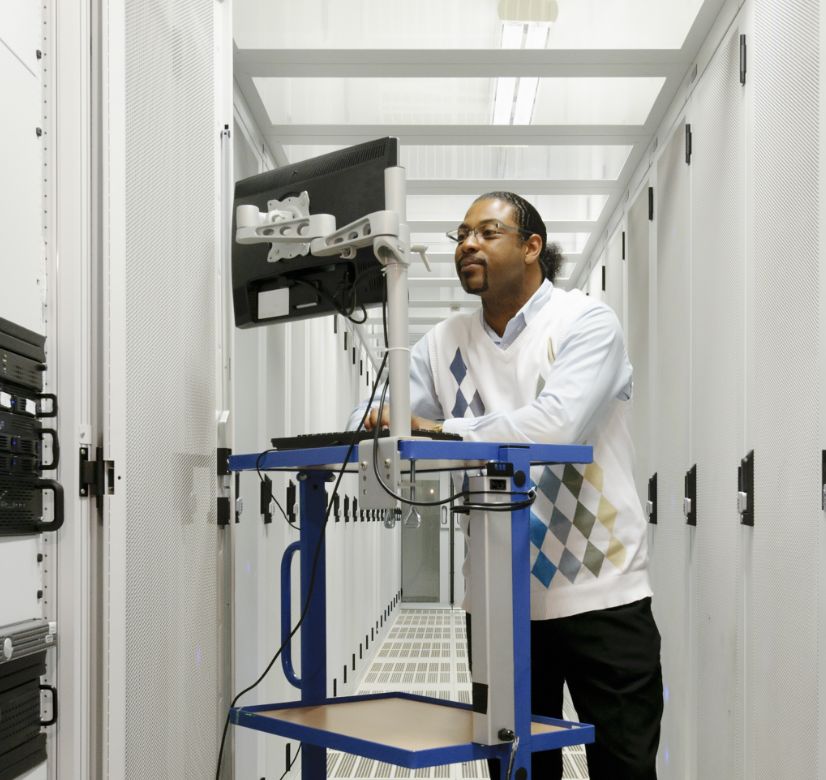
column 344, row 438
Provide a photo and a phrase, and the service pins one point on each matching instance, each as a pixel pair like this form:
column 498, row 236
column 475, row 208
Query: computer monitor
column 348, row 184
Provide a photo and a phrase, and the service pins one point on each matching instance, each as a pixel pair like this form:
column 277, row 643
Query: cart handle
column 286, row 620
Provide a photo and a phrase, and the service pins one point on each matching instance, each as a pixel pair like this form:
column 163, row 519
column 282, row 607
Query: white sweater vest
column 588, row 533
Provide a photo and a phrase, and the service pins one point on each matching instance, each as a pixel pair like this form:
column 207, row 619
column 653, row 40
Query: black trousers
column 610, row 659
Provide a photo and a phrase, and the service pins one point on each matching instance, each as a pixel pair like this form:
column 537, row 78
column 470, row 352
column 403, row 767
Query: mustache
column 469, row 260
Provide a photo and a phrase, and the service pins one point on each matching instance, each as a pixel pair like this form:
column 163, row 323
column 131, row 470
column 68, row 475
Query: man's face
column 492, row 259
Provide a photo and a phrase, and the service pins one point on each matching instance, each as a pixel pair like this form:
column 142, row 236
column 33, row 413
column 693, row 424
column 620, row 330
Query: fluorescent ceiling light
column 503, row 102
column 512, row 34
column 537, row 36
column 525, row 99
column 506, row 109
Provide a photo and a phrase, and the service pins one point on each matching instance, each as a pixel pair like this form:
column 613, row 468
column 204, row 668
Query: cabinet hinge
column 97, row 477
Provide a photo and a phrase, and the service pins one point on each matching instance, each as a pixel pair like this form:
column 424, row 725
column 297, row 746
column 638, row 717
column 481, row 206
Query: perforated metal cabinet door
column 163, row 628
column 638, row 338
column 672, row 541
column 718, row 358
column 785, row 393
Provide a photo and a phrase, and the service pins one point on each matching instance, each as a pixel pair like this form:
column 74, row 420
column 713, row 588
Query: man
column 544, row 365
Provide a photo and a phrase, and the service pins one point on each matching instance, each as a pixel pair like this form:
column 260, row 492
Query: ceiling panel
column 458, row 101
column 459, row 24
column 554, row 99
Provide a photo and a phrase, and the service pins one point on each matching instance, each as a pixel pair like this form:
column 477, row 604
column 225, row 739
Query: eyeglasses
column 488, row 231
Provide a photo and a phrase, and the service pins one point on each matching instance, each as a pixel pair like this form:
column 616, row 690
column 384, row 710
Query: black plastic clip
column 651, row 505
column 265, row 499
column 690, row 500
column 224, row 510
column 223, row 461
column 745, row 490
column 291, row 503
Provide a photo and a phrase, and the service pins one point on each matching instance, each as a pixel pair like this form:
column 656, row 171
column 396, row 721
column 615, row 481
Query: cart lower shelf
column 399, row 728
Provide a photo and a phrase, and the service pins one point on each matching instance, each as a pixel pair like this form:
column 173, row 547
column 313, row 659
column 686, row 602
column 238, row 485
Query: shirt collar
column 522, row 318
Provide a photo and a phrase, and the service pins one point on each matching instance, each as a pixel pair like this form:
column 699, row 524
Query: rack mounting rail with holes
column 408, row 730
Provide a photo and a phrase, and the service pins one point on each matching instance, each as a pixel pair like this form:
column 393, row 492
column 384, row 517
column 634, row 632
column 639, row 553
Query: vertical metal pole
column 500, row 608
column 398, row 339
column 521, row 594
column 314, row 628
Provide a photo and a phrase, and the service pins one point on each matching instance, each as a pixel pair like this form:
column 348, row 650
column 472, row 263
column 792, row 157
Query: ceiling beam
column 451, row 63
column 467, row 135
column 473, row 187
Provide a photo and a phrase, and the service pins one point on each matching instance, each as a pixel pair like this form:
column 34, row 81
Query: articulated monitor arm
column 292, row 231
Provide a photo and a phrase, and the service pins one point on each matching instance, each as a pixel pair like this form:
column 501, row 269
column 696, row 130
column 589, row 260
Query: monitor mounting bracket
column 287, row 226
column 291, row 231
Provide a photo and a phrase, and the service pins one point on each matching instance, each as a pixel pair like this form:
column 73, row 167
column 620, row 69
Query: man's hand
column 416, row 423
column 372, row 418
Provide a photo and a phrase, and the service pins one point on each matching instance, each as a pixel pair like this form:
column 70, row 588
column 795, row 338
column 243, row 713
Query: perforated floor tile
column 425, row 652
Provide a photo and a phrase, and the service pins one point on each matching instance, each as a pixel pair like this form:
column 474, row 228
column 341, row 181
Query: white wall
column 725, row 323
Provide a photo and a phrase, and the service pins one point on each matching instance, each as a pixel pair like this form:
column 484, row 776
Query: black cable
column 295, row 758
column 306, row 606
column 384, row 313
column 353, row 286
column 528, row 501
column 272, row 495
column 336, row 305
column 502, row 507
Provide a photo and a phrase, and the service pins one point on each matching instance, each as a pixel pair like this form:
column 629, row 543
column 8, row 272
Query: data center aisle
column 425, row 652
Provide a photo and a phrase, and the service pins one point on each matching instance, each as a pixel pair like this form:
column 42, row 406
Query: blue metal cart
column 404, row 729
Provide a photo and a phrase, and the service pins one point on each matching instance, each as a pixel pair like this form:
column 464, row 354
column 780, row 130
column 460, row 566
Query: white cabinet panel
column 672, row 539
column 785, row 396
column 718, row 359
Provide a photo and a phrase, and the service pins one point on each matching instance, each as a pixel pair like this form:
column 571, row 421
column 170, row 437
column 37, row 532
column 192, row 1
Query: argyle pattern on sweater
column 578, row 540
column 467, row 396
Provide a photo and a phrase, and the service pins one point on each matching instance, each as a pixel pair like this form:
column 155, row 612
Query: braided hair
column 529, row 220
